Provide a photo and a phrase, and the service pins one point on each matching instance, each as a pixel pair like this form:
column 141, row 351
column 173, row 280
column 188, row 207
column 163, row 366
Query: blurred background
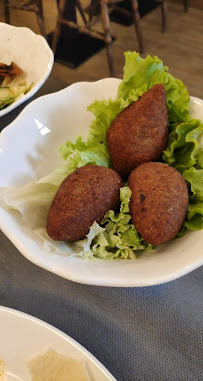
column 172, row 30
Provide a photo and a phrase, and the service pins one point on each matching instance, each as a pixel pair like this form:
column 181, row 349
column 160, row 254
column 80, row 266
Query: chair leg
column 185, row 5
column 61, row 7
column 6, row 12
column 40, row 19
column 79, row 6
column 164, row 13
column 138, row 30
column 108, row 39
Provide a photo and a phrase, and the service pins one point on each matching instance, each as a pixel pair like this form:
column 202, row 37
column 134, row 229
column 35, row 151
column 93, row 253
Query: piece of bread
column 52, row 366
column 3, row 376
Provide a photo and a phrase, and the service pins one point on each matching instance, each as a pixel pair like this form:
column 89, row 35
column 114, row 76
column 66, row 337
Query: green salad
column 12, row 84
column 116, row 237
column 9, row 93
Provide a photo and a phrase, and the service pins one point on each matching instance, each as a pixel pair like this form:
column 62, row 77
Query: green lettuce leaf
column 195, row 216
column 143, row 73
column 16, row 88
column 119, row 239
column 184, row 149
column 80, row 153
column 94, row 149
column 195, row 178
column 6, row 102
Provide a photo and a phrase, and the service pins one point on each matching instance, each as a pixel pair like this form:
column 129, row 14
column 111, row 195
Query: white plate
column 23, row 337
column 30, row 52
column 29, row 149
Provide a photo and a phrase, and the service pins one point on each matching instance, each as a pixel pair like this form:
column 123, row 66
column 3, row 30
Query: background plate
column 24, row 337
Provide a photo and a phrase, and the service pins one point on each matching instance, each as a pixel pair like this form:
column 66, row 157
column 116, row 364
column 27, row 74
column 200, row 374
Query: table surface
column 139, row 334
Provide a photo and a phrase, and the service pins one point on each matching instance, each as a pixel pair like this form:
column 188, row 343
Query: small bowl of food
column 26, row 61
column 103, row 181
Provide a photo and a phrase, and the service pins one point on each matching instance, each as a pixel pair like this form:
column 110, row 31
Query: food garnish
column 12, row 84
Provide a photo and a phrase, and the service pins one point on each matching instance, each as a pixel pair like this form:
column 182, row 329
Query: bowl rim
column 39, row 84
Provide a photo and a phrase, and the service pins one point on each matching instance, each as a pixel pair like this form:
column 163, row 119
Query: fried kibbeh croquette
column 159, row 201
column 83, row 197
column 139, row 134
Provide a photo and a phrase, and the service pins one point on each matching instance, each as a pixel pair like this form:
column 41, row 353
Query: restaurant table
column 139, row 334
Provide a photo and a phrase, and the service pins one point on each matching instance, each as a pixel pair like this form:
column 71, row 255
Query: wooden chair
column 164, row 12
column 88, row 23
column 27, row 5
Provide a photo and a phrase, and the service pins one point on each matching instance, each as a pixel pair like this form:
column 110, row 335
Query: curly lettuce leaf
column 94, row 149
column 185, row 153
column 80, row 153
column 195, row 217
column 143, row 73
column 184, row 149
column 119, row 238
column 195, row 178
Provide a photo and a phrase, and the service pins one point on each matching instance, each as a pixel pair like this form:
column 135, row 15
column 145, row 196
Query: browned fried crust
column 139, row 133
column 159, row 201
column 83, row 197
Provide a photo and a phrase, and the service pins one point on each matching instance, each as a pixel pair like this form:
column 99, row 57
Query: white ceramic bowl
column 29, row 149
column 30, row 52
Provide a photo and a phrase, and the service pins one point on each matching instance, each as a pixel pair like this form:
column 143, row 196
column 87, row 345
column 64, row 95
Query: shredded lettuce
column 6, row 102
column 117, row 237
column 11, row 90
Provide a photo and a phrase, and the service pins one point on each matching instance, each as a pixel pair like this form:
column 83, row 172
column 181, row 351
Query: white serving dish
column 29, row 150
